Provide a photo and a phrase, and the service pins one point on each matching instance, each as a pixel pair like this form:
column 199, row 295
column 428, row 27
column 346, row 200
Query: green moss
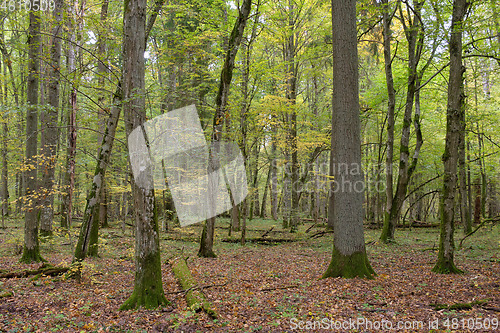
column 354, row 265
column 195, row 299
column 444, row 266
column 148, row 288
column 31, row 255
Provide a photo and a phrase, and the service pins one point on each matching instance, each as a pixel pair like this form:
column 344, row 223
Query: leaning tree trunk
column 31, row 250
column 454, row 116
column 148, row 287
column 207, row 235
column 349, row 257
column 50, row 133
column 88, row 240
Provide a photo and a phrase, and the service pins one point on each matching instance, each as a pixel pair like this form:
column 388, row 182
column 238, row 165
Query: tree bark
column 391, row 104
column 462, row 189
column 414, row 35
column 148, row 287
column 349, row 257
column 454, row 116
column 207, row 236
column 31, row 250
column 50, row 133
column 69, row 174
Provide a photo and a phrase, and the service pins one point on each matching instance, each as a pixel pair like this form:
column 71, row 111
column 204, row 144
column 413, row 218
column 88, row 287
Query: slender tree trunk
column 207, row 236
column 50, row 134
column 31, row 250
column 102, row 69
column 349, row 257
column 414, row 36
column 454, row 117
column 88, row 240
column 391, row 103
column 69, row 174
column 462, row 189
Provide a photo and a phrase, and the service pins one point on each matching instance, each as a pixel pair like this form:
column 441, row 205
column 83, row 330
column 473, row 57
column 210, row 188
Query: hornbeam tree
column 31, row 250
column 349, row 257
column 207, row 235
column 148, row 288
column 454, row 117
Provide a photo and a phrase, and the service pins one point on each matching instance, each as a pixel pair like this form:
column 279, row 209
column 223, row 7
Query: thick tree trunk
column 454, row 116
column 349, row 257
column 31, row 250
column 50, row 133
column 148, row 288
column 207, row 236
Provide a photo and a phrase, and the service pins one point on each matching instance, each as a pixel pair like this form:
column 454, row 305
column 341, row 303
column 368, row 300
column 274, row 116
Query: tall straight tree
column 349, row 257
column 148, row 287
column 31, row 250
column 207, row 235
column 50, row 133
column 450, row 157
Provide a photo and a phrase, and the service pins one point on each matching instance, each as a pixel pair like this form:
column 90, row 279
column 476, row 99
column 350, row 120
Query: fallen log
column 195, row 298
column 45, row 269
column 260, row 240
column 321, row 234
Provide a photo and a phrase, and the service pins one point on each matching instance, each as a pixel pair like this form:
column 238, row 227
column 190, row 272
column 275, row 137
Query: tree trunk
column 414, row 36
column 349, row 257
column 88, row 240
column 391, row 104
column 31, row 250
column 50, row 133
column 148, row 288
column 207, row 236
column 455, row 108
column 462, row 189
column 69, row 174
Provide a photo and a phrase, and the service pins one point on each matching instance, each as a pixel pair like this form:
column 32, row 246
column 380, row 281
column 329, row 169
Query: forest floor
column 259, row 288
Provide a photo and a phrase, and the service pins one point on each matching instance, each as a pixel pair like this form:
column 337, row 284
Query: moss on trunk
column 148, row 288
column 445, row 266
column 349, row 266
column 195, row 298
column 31, row 255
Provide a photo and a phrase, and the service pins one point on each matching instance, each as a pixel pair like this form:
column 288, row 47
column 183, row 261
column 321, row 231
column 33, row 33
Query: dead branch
column 45, row 269
column 267, row 232
column 493, row 219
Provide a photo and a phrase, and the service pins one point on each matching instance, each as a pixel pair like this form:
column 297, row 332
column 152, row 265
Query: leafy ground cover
column 259, row 288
